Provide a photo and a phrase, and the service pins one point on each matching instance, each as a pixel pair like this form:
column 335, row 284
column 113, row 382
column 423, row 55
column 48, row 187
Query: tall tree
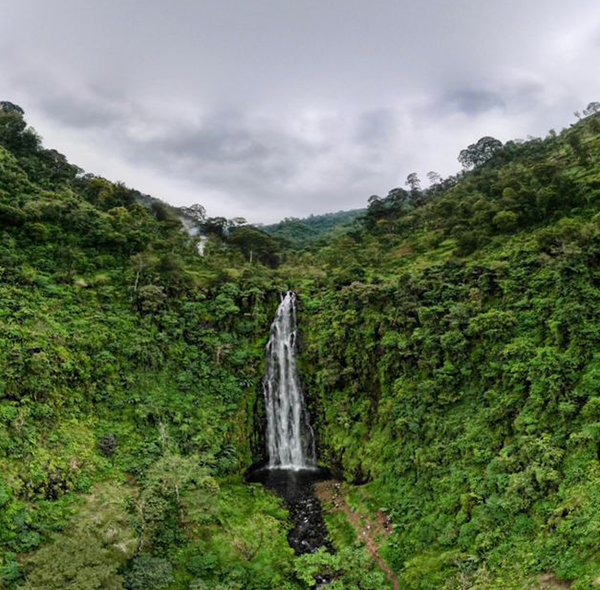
column 434, row 177
column 413, row 182
column 479, row 153
column 592, row 109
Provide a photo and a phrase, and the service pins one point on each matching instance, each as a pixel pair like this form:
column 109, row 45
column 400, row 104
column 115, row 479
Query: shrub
column 108, row 445
column 89, row 553
column 506, row 221
column 149, row 573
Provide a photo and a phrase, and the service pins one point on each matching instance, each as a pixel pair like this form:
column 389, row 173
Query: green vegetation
column 348, row 569
column 128, row 358
column 453, row 348
column 450, row 352
column 299, row 233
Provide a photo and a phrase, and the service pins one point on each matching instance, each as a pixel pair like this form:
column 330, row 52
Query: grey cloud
column 269, row 108
column 375, row 127
column 80, row 113
column 223, row 151
column 474, row 102
column 224, row 137
column 505, row 95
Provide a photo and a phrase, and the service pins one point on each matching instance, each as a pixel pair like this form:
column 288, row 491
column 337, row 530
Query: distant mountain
column 305, row 231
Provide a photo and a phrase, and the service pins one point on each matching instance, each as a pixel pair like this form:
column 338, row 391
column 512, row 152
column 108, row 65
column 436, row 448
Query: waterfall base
column 295, row 486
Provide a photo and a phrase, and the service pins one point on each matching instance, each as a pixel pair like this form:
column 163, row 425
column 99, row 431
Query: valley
column 432, row 367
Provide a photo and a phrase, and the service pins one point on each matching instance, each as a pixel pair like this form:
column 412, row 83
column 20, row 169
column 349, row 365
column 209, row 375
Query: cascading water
column 292, row 468
column 289, row 435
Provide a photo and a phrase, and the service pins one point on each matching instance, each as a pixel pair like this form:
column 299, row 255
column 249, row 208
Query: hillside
column 452, row 345
column 303, row 232
column 449, row 356
column 129, row 370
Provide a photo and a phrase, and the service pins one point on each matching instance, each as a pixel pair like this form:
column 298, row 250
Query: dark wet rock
column 296, row 488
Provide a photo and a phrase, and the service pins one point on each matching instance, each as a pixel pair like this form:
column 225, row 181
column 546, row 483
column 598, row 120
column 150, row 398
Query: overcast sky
column 274, row 108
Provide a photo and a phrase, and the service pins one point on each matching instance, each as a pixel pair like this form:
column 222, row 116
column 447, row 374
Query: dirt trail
column 329, row 492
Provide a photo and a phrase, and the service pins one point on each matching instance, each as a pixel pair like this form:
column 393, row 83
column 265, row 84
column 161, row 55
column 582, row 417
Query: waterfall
column 289, row 435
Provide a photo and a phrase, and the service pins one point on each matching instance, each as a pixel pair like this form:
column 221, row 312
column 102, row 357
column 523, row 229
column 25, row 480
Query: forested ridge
column 299, row 233
column 449, row 355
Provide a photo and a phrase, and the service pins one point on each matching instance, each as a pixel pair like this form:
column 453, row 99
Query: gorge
column 152, row 399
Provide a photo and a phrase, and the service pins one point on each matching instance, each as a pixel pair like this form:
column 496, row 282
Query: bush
column 150, row 298
column 201, row 565
column 506, row 221
column 149, row 573
column 88, row 555
column 108, row 445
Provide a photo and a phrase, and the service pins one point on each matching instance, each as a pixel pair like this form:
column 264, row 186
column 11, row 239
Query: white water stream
column 290, row 438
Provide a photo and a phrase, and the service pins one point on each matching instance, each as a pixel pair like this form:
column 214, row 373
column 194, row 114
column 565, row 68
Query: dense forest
column 450, row 356
column 303, row 232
